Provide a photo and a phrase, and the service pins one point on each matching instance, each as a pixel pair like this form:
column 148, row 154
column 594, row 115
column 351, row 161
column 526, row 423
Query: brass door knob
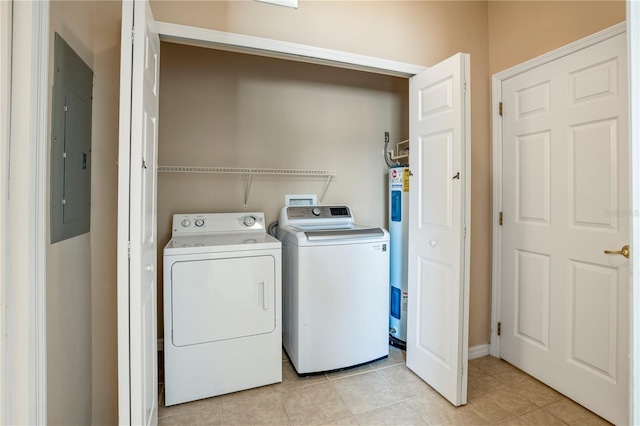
column 624, row 251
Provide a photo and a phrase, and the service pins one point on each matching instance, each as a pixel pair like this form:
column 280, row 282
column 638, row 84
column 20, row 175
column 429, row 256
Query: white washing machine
column 222, row 306
column 335, row 288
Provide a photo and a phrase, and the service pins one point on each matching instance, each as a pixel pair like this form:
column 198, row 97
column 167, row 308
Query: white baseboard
column 478, row 351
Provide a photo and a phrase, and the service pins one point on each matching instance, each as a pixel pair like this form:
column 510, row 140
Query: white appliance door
column 343, row 312
column 137, row 319
column 438, row 311
column 220, row 299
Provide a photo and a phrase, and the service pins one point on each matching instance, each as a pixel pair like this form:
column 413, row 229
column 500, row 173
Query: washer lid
column 310, row 235
column 243, row 241
column 343, row 234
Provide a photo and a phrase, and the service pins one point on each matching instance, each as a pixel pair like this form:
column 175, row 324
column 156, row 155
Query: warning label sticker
column 405, row 180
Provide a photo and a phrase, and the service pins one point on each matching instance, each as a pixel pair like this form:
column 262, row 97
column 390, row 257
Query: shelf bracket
column 247, row 188
column 326, row 186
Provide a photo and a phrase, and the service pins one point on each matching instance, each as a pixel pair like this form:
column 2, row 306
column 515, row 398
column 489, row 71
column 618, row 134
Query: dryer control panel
column 207, row 223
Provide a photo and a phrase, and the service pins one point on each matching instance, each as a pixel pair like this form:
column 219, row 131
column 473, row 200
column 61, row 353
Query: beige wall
column 423, row 33
column 522, row 30
column 104, row 212
column 81, row 284
column 69, row 384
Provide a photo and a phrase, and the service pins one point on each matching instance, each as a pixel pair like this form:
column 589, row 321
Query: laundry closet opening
column 227, row 109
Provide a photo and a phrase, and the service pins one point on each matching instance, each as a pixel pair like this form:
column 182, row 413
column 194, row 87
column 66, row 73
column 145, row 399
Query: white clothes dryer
column 335, row 288
column 222, row 306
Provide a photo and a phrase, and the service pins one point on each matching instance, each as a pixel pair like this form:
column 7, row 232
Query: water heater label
column 396, row 175
column 405, row 300
column 405, row 180
column 400, row 179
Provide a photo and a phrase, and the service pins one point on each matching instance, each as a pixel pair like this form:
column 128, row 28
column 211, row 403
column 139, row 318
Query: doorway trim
column 496, row 97
column 212, row 39
column 207, row 38
column 5, row 117
column 23, row 279
column 633, row 39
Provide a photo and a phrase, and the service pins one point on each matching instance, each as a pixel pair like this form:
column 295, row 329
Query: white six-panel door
column 137, row 335
column 439, row 203
column 564, row 302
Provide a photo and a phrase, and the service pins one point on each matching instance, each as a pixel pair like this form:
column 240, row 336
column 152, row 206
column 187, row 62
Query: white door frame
column 497, row 80
column 5, row 117
column 24, row 210
column 202, row 37
column 239, row 43
column 633, row 40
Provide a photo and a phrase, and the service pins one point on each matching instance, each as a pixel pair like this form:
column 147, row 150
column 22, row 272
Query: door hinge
column 500, row 219
column 129, row 249
column 133, row 33
column 500, row 108
column 499, row 328
column 465, row 87
column 465, row 230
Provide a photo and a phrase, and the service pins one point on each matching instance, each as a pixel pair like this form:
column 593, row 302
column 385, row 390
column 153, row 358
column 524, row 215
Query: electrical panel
column 70, row 144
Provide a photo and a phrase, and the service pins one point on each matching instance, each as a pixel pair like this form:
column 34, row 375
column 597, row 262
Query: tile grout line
column 333, row 381
column 555, row 417
column 392, row 387
column 405, row 400
column 284, row 406
column 538, row 407
column 335, row 389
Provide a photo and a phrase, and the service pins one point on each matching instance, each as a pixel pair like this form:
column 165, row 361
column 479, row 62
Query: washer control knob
column 186, row 223
column 199, row 223
column 248, row 221
column 316, row 211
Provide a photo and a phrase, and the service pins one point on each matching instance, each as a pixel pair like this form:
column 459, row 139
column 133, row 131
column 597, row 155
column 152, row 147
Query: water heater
column 398, row 251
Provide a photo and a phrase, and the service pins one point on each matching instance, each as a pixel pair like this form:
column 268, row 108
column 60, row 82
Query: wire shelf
column 245, row 170
column 249, row 172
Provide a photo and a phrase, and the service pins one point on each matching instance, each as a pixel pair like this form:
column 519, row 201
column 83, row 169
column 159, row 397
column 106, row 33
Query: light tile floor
column 386, row 392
